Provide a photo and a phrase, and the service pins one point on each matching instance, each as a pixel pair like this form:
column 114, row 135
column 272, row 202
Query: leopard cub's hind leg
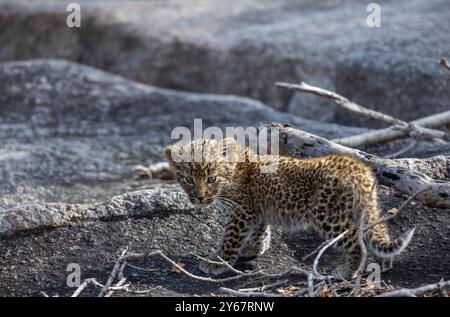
column 257, row 243
column 333, row 215
column 353, row 256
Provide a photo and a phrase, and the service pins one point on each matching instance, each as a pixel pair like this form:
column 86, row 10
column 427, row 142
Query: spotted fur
column 327, row 193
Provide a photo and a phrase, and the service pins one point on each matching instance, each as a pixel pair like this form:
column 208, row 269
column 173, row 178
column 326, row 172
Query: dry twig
column 341, row 101
column 402, row 151
column 413, row 292
column 393, row 132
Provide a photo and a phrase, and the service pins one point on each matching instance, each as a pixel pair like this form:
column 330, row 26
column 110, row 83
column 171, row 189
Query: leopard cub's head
column 203, row 167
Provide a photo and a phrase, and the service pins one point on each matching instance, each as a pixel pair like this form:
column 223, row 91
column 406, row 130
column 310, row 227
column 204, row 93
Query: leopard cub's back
column 302, row 187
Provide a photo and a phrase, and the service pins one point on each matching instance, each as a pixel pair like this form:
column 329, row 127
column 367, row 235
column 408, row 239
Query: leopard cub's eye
column 212, row 179
column 189, row 180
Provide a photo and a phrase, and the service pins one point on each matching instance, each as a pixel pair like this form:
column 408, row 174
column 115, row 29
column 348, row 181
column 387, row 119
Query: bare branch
column 112, row 276
column 394, row 132
column 264, row 287
column 410, row 146
column 362, row 244
column 342, row 101
column 306, row 257
column 319, row 254
column 86, row 282
column 141, row 268
column 117, row 287
column 134, row 256
column 411, row 129
column 413, row 292
column 310, row 281
column 441, row 286
column 310, row 289
column 221, row 261
column 247, row 294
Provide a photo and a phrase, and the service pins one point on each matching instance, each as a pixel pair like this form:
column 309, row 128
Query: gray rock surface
column 134, row 204
column 240, row 48
column 73, row 133
column 71, row 136
column 31, row 262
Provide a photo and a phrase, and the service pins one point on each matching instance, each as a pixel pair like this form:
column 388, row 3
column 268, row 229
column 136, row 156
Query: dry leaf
column 287, row 290
column 392, row 211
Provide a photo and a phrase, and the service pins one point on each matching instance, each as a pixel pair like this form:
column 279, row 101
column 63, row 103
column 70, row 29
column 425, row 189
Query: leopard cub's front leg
column 236, row 232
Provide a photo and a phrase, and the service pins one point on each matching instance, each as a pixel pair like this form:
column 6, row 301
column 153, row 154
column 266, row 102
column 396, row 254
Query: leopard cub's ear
column 173, row 153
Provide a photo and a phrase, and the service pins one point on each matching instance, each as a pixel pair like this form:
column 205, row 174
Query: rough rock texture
column 71, row 133
column 134, row 204
column 70, row 138
column 37, row 261
column 241, row 48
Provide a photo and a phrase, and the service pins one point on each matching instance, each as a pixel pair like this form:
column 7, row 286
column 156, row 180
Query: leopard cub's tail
column 379, row 242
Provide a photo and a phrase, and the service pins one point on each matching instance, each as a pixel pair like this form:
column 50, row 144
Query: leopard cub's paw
column 212, row 268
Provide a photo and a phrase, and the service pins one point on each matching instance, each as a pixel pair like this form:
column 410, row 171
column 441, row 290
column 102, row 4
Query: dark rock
column 74, row 134
column 218, row 47
column 134, row 204
column 37, row 261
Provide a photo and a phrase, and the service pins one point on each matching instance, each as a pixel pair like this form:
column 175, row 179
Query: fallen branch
column 264, row 287
column 393, row 132
column 436, row 167
column 398, row 173
column 233, row 292
column 107, row 289
column 402, row 151
column 311, row 289
column 138, row 268
column 134, row 256
column 412, row 129
column 413, row 292
column 361, row 242
column 329, row 244
column 116, row 269
column 306, row 257
column 221, row 261
column 118, row 286
column 86, row 283
column 341, row 101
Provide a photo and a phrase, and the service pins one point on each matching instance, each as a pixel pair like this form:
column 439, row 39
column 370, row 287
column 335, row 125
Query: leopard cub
column 328, row 194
